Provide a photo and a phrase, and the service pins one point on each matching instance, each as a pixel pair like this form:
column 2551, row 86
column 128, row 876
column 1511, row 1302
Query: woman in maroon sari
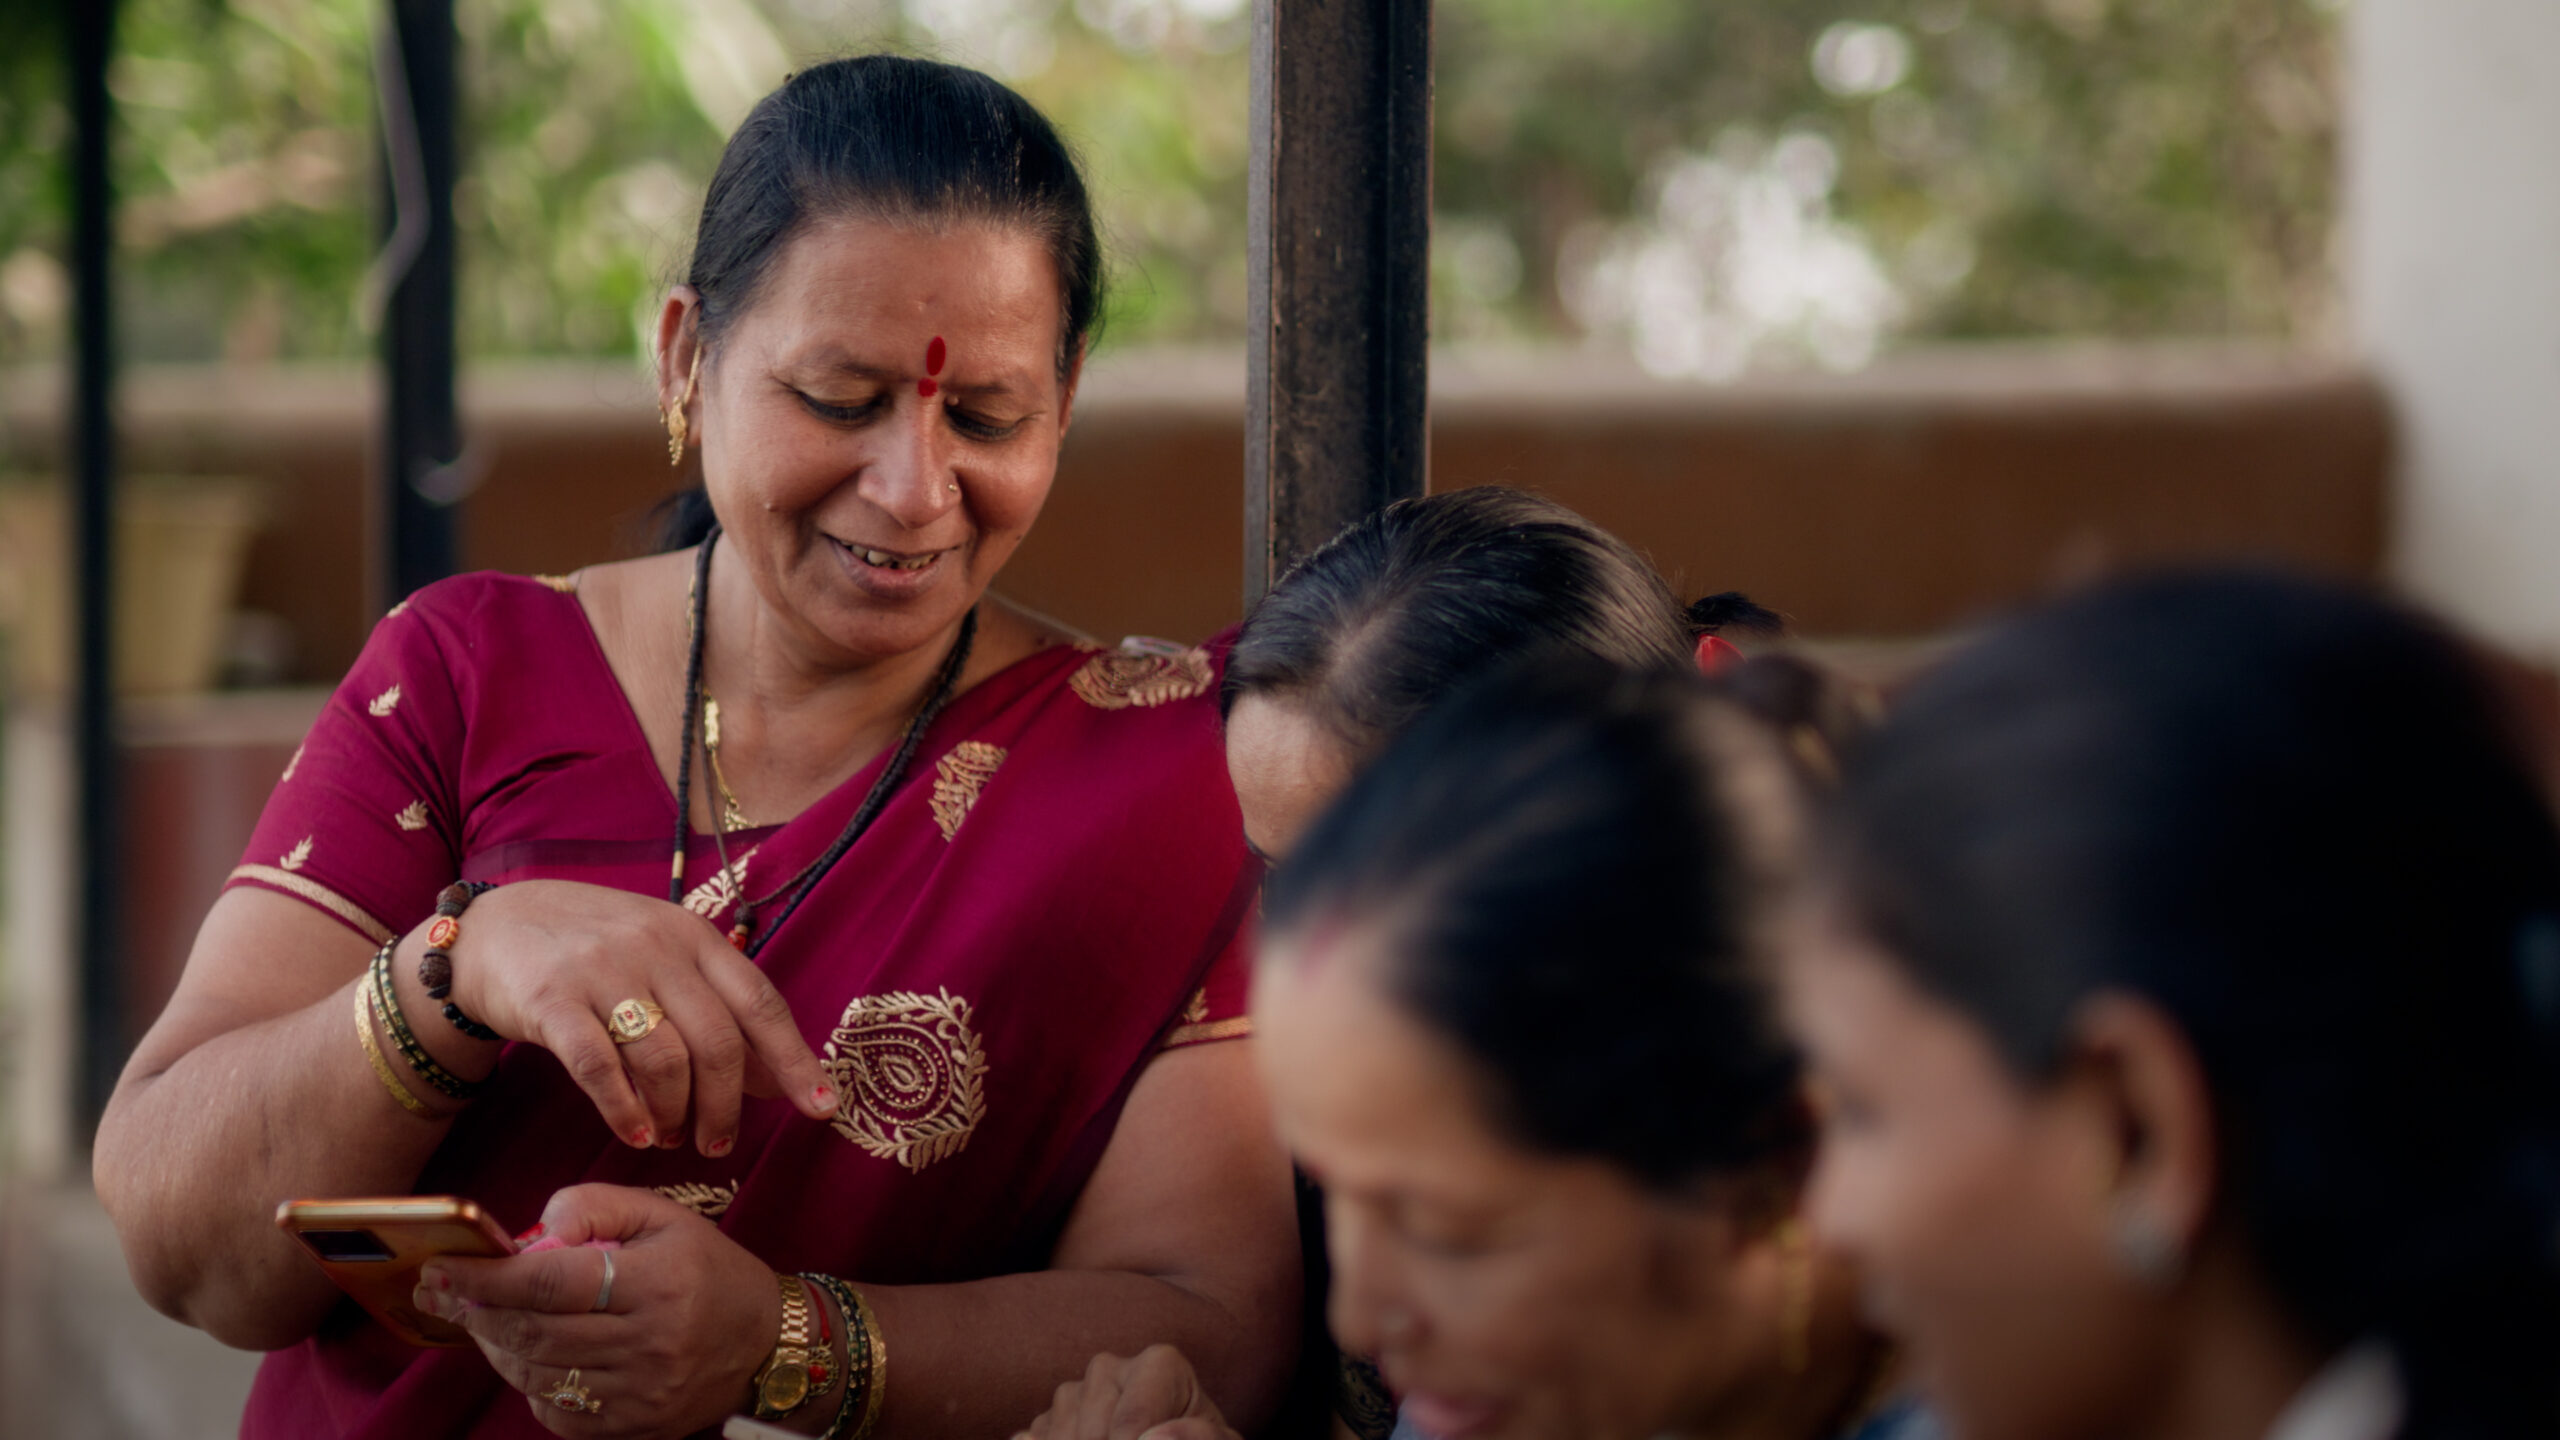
column 956, row 894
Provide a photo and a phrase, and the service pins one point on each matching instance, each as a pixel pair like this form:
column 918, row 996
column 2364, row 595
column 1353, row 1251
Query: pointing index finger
column 771, row 1030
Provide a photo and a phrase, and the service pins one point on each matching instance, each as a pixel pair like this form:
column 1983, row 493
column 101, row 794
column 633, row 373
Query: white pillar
column 2453, row 278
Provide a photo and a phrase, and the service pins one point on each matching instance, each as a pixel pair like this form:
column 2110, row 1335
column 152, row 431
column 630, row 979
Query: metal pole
column 1336, row 410
column 96, row 796
column 421, row 438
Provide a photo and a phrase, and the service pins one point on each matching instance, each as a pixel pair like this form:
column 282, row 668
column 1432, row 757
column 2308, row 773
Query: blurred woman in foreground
column 1511, row 1014
column 2188, row 1003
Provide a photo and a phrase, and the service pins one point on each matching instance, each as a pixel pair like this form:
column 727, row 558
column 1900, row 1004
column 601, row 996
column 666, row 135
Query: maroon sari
column 1051, row 896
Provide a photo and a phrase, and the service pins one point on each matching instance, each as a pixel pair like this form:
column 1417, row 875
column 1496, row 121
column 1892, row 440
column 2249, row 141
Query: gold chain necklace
column 744, row 934
column 732, row 819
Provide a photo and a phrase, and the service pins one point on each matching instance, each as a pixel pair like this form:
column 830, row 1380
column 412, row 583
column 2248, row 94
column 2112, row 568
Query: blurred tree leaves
column 2015, row 167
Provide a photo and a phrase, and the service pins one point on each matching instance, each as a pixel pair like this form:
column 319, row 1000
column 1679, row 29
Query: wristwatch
column 783, row 1384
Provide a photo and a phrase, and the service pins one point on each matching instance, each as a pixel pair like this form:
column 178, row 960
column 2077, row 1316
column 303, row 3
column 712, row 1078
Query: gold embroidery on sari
column 396, row 609
column 413, row 816
column 957, row 779
column 724, row 887
column 1118, row 679
column 320, row 895
column 708, row 1201
column 1234, row 1028
column 296, row 762
column 381, row 706
column 1198, row 1009
column 298, row 856
column 912, row 1074
column 565, row 584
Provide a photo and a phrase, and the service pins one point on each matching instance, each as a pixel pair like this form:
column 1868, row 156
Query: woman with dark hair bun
column 826, row 959
column 1405, row 607
column 2186, row 993
column 1512, row 1011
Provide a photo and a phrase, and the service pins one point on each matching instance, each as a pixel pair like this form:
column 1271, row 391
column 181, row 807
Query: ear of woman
column 2130, row 1066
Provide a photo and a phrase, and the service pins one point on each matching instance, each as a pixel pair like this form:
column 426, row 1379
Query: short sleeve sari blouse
column 1054, row 893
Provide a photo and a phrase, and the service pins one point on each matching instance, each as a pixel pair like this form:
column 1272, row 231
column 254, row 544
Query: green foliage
column 1984, row 167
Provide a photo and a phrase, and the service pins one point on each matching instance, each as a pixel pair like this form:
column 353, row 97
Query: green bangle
column 402, row 1039
column 860, row 1404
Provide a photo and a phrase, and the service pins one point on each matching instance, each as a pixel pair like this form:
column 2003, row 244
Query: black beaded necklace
column 790, row 893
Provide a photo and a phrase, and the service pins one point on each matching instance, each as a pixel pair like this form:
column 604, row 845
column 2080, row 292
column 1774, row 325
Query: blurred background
column 1889, row 312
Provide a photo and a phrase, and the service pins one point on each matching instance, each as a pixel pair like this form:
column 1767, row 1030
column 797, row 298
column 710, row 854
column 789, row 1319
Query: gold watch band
column 783, row 1384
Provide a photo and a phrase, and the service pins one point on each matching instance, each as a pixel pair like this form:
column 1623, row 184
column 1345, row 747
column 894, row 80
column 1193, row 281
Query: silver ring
column 604, row 1292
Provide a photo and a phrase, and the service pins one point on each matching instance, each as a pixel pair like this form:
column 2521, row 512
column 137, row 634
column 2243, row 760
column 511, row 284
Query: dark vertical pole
column 95, row 793
column 421, row 433
column 1336, row 415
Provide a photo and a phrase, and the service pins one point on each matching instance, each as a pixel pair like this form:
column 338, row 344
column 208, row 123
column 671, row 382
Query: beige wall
column 1895, row 503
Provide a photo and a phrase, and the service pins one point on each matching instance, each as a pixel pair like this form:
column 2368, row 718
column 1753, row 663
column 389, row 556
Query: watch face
column 785, row 1386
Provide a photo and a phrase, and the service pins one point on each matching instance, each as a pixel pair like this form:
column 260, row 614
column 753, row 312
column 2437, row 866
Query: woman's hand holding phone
column 687, row 1321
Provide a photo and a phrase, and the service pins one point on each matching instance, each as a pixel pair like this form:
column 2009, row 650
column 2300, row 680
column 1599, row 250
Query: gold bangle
column 373, row 1055
column 396, row 1026
column 878, row 1350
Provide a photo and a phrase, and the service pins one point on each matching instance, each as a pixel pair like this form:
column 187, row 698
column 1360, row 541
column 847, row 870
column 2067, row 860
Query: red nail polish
column 721, row 1145
column 640, row 1137
column 823, row 1096
column 530, row 1235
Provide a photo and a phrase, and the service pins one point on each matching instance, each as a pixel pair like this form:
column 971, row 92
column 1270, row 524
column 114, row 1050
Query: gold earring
column 1795, row 1297
column 674, row 416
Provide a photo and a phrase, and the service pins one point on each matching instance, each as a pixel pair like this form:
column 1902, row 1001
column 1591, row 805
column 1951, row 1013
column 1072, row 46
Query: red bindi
column 933, row 358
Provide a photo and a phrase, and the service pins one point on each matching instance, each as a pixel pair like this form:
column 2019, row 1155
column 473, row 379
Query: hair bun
column 1733, row 610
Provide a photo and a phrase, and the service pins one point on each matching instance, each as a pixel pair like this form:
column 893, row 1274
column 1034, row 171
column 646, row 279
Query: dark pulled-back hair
column 1569, row 861
column 1409, row 604
column 2295, row 818
column 886, row 137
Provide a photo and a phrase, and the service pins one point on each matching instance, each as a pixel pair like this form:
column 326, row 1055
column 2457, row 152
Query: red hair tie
column 1714, row 654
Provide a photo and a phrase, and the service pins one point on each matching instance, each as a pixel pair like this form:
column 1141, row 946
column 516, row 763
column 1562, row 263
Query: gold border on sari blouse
column 318, row 894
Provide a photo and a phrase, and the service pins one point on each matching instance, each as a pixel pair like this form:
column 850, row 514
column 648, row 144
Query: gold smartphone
column 373, row 1249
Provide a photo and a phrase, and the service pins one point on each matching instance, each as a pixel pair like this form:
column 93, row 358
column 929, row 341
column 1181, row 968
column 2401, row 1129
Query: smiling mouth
column 891, row 559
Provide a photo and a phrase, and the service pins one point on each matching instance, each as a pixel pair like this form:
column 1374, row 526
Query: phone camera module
column 346, row 1246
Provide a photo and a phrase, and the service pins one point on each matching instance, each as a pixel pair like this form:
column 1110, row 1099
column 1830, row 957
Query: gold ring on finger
column 571, row 1396
column 632, row 1020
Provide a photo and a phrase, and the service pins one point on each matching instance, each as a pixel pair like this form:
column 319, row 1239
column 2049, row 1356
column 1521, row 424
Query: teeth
column 886, row 561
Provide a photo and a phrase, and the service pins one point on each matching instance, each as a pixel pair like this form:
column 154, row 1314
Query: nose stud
column 953, row 487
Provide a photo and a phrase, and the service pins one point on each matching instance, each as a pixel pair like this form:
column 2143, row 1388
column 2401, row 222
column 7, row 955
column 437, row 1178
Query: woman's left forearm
column 1186, row 1235
column 984, row 1358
